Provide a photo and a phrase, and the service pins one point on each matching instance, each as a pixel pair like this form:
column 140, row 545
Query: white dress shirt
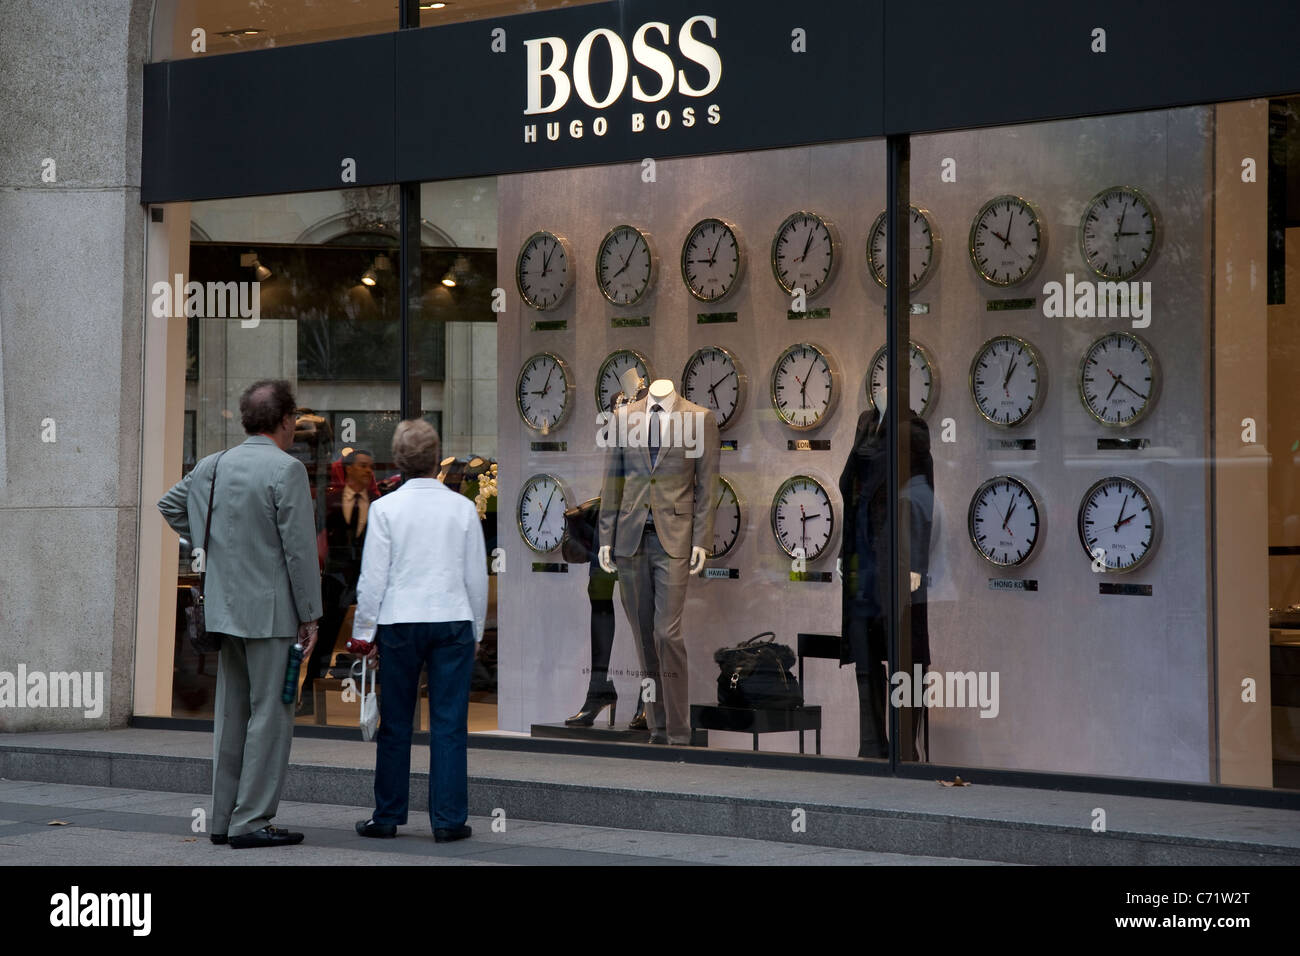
column 351, row 499
column 424, row 560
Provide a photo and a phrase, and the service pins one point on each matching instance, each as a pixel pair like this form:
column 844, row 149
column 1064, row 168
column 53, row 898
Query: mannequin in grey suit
column 656, row 521
column 262, row 592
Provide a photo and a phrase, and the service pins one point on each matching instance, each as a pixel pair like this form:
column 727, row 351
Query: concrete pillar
column 71, row 308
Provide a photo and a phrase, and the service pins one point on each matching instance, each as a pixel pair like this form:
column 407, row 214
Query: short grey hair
column 416, row 447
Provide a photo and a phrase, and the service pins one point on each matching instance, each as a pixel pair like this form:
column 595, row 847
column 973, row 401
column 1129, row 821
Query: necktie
column 654, row 434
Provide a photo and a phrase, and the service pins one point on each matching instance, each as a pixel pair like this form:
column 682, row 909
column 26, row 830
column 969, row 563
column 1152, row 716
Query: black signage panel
column 634, row 79
column 269, row 121
column 960, row 64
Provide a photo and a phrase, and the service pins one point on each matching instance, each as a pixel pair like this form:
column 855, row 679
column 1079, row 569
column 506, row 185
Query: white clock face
column 805, row 386
column 542, row 270
column 923, row 382
column 1118, row 379
column 625, row 265
column 1118, row 524
column 1003, row 521
column 711, row 260
column 804, row 253
column 802, row 517
column 609, row 380
column 542, row 503
column 544, row 392
column 712, row 379
column 1006, row 381
column 1118, row 232
column 922, row 243
column 1006, row 241
column 727, row 519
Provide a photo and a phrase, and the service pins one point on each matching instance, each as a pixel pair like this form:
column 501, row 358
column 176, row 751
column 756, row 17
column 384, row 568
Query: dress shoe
column 658, row 739
column 591, row 709
column 267, row 836
column 220, row 839
column 452, row 834
column 369, row 828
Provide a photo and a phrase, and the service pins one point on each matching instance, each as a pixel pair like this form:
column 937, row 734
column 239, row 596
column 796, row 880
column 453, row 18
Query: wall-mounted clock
column 805, row 252
column 1004, row 521
column 544, row 392
column 728, row 519
column 923, row 248
column 923, row 382
column 1118, row 379
column 805, row 386
column 543, row 271
column 1007, row 241
column 1007, row 381
column 608, row 378
column 543, row 499
column 803, row 518
column 625, row 265
column 1119, row 523
column 712, row 259
column 1118, row 232
column 714, row 380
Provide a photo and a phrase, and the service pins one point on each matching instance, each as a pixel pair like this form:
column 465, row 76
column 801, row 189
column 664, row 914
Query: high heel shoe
column 638, row 720
column 591, row 709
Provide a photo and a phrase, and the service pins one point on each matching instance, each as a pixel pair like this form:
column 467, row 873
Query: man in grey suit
column 262, row 592
column 656, row 523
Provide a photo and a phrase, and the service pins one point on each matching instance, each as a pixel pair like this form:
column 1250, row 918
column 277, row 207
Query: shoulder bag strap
column 207, row 526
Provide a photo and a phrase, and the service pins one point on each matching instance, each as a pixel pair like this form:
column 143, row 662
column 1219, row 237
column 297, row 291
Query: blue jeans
column 448, row 649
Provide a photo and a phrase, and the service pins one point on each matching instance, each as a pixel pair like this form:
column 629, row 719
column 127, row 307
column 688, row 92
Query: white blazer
column 423, row 561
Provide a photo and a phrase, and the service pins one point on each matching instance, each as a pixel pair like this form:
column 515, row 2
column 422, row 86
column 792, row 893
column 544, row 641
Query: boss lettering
column 651, row 73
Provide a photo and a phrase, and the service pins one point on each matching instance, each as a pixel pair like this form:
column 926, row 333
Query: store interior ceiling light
column 449, row 280
column 368, row 278
column 249, row 260
column 245, row 32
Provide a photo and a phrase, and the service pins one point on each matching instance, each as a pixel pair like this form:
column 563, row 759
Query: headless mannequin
column 867, row 602
column 660, row 390
column 600, row 592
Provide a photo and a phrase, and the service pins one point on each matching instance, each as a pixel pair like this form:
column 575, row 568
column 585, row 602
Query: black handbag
column 196, row 627
column 756, row 674
column 580, row 524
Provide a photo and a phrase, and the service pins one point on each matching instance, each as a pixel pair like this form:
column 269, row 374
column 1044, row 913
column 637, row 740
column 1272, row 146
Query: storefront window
column 1113, row 466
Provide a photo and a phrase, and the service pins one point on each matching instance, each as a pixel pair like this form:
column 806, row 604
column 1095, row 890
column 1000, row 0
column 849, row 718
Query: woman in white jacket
column 421, row 599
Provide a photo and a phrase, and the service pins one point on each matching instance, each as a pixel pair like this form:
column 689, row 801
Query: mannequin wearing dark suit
column 347, row 508
column 865, row 561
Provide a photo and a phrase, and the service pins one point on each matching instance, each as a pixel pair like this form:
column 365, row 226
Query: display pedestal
column 745, row 720
column 598, row 731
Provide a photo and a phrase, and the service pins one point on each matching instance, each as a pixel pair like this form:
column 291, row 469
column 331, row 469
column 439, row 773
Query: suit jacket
column 864, row 547
column 263, row 576
column 677, row 489
column 343, row 554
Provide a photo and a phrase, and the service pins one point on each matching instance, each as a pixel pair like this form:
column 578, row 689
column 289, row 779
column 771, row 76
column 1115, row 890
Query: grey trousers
column 251, row 734
column 653, row 587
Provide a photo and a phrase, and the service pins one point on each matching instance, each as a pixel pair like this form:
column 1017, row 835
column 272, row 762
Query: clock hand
column 713, row 256
column 625, row 264
column 542, row 520
column 1118, row 234
column 547, row 387
column 1011, row 220
column 1000, row 236
column 1010, row 368
column 806, row 246
column 1122, row 507
column 546, row 262
column 1119, row 228
column 1131, row 389
column 1126, row 520
column 1010, row 511
column 1117, row 379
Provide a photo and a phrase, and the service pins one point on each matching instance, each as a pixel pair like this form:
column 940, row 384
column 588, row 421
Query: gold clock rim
column 1039, row 400
column 519, row 500
column 1038, row 510
column 1042, row 241
column 569, row 389
column 836, row 386
column 1156, row 378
